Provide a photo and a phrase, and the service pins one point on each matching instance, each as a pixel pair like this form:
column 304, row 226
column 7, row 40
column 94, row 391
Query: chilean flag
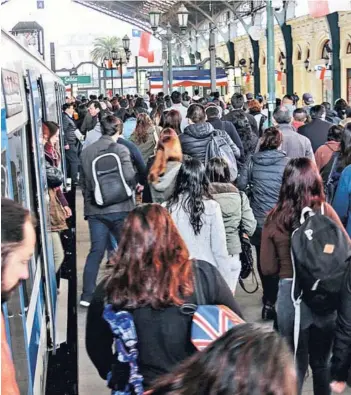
column 318, row 8
column 140, row 45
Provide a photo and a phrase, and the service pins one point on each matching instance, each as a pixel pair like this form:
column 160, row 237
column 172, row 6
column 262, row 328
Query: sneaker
column 84, row 303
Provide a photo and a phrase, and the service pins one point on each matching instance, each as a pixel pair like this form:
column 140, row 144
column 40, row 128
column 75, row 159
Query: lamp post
column 155, row 16
column 270, row 60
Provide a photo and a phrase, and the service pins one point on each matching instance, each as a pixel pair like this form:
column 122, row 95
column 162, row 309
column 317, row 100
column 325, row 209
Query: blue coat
column 342, row 199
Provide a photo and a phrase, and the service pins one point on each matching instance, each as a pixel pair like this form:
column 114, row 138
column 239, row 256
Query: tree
column 103, row 47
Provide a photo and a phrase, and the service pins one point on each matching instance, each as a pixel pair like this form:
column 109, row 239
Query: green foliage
column 103, row 47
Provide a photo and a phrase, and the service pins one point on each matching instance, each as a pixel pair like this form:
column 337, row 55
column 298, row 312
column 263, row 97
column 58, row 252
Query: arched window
column 263, row 60
column 308, row 53
column 326, row 50
column 298, row 53
column 348, row 48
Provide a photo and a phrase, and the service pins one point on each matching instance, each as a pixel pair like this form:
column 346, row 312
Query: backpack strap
column 305, row 210
column 296, row 303
column 199, row 292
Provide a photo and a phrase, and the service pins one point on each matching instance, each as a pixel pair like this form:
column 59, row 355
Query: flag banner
column 278, row 75
column 151, row 57
column 319, row 8
column 320, row 72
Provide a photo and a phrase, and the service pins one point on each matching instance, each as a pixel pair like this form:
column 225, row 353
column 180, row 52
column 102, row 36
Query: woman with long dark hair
column 145, row 136
column 152, row 277
column 301, row 187
column 339, row 160
column 198, row 216
column 59, row 208
column 173, row 120
column 247, row 360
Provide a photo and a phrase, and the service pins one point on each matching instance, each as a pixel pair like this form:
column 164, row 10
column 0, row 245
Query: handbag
column 54, row 175
column 246, row 257
column 209, row 321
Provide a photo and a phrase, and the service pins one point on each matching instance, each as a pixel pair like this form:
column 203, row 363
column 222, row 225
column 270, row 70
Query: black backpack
column 320, row 253
column 218, row 147
column 110, row 186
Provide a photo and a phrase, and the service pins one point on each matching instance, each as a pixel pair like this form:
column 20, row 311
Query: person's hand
column 139, row 188
column 66, row 146
column 68, row 211
column 338, row 386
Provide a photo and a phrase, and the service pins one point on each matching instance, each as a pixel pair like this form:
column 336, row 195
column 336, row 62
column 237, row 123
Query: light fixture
column 154, row 16
column 183, row 15
column 114, row 54
column 126, row 43
column 128, row 54
column 281, row 65
column 306, row 63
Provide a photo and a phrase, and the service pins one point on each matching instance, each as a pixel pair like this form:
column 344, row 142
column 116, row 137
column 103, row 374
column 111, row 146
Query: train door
column 51, row 110
column 13, row 144
column 60, row 93
column 35, row 111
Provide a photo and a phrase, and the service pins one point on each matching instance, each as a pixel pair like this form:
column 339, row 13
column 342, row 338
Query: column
column 212, row 49
column 270, row 61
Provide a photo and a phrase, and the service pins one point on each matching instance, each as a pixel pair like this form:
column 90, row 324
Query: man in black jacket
column 212, row 113
column 198, row 134
column 317, row 130
column 70, row 139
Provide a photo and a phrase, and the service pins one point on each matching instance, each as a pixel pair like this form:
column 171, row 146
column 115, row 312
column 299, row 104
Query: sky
column 65, row 23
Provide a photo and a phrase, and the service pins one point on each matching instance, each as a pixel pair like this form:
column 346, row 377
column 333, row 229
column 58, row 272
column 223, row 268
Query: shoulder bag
column 246, row 257
column 209, row 321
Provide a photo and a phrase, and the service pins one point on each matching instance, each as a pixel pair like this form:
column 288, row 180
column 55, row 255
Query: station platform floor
column 89, row 380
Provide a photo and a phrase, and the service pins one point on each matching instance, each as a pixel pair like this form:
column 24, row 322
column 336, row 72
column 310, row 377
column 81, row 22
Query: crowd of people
column 210, row 175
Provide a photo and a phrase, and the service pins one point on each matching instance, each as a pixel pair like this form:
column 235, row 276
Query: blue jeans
column 111, row 246
column 100, row 227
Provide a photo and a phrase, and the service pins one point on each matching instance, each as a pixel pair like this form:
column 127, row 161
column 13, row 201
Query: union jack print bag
column 209, row 321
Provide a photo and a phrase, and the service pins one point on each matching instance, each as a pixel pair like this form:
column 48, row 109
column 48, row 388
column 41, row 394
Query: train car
column 30, row 93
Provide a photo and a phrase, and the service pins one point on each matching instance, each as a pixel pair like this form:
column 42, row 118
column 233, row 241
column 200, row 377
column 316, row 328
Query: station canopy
column 137, row 12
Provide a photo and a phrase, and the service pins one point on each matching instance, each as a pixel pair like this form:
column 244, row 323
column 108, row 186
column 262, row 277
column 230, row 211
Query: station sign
column 76, row 79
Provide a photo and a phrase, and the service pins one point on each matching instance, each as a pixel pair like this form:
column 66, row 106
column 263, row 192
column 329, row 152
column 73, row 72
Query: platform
column 89, row 380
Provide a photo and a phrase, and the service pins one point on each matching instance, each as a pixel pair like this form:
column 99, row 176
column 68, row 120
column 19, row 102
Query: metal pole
column 112, row 79
column 170, row 60
column 212, row 49
column 270, row 62
column 164, row 72
column 137, row 73
column 121, row 73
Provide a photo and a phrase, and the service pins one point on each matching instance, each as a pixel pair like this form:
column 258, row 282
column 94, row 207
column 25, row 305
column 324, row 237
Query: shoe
column 84, row 303
column 268, row 312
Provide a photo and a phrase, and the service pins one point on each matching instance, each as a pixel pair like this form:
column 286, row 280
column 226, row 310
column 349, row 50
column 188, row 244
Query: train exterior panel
column 30, row 93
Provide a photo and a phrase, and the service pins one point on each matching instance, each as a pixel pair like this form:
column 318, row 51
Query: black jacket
column 316, row 131
column 264, row 182
column 163, row 335
column 246, row 127
column 341, row 360
column 231, row 131
column 196, row 137
column 69, row 127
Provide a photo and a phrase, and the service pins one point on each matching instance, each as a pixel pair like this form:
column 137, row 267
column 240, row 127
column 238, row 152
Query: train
column 35, row 316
